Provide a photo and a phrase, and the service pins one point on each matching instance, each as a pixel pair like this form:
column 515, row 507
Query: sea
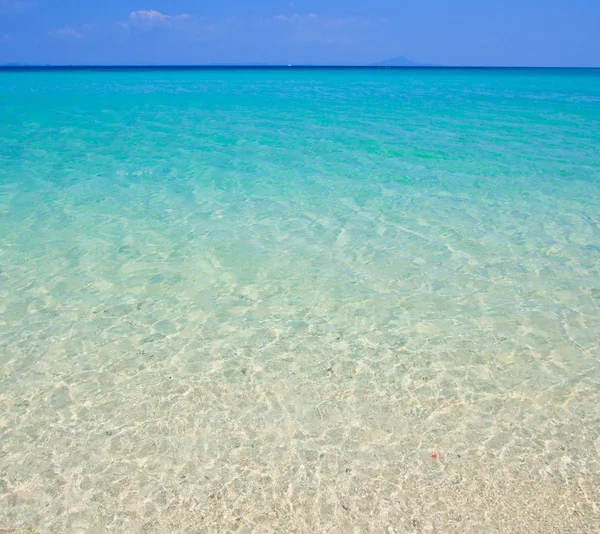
column 299, row 300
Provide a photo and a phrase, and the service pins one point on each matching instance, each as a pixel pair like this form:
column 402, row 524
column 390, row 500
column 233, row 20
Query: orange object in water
column 435, row 456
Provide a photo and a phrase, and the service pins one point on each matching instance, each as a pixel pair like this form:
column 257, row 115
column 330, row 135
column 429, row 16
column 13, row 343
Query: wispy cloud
column 149, row 18
column 66, row 32
column 16, row 6
column 297, row 27
column 318, row 29
column 296, row 18
column 4, row 37
column 317, row 20
column 295, row 30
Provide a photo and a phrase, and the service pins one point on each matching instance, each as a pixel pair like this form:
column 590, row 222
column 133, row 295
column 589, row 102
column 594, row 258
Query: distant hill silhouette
column 399, row 61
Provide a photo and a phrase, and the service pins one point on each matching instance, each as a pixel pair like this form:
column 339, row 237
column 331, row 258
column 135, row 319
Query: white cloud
column 67, row 32
column 149, row 18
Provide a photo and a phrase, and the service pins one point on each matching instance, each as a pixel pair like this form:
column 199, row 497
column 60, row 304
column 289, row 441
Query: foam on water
column 262, row 300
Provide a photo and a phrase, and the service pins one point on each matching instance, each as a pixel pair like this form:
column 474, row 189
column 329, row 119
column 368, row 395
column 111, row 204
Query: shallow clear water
column 300, row 301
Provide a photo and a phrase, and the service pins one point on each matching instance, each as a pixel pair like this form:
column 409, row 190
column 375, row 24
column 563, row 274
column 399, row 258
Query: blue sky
column 444, row 32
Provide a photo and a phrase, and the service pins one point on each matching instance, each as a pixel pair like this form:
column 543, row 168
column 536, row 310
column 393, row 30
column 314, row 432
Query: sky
column 325, row 32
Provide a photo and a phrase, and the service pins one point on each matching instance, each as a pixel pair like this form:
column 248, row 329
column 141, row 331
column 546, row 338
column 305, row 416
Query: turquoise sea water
column 300, row 301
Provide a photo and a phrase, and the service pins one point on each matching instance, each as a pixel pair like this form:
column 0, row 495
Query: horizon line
column 24, row 66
